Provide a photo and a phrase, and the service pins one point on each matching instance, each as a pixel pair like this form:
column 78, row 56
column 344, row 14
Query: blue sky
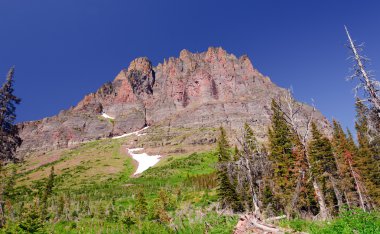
column 63, row 50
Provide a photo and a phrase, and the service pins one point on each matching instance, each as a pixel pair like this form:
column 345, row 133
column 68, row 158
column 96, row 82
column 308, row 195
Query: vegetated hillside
column 197, row 91
column 94, row 192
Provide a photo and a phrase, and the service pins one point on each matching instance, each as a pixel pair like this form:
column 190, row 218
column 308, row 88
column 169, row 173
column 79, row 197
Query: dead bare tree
column 367, row 82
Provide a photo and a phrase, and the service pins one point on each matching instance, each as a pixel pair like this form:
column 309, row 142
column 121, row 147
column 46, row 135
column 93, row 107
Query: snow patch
column 144, row 160
column 137, row 133
column 107, row 116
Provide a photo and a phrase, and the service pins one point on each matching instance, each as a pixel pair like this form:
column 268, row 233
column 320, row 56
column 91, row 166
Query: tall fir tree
column 303, row 194
column 365, row 160
column 227, row 194
column 342, row 152
column 364, row 199
column 254, row 173
column 324, row 168
column 48, row 192
column 282, row 158
column 9, row 138
column 141, row 205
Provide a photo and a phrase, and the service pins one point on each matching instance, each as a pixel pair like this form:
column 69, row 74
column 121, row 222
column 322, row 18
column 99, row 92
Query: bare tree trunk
column 253, row 192
column 362, row 204
column 337, row 192
column 347, row 200
column 321, row 200
column 297, row 190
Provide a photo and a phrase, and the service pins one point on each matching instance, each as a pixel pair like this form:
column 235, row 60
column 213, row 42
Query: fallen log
column 248, row 222
column 275, row 218
column 265, row 227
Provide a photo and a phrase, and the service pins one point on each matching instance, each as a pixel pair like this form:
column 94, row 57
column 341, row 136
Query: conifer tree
column 253, row 171
column 303, row 195
column 226, row 191
column 141, row 204
column 10, row 180
column 282, row 158
column 342, row 150
column 307, row 192
column 365, row 160
column 363, row 198
column 236, row 153
column 9, row 139
column 48, row 191
column 324, row 167
column 351, row 143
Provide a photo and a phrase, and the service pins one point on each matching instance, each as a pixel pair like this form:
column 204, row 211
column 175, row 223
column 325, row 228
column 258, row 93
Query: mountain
column 197, row 91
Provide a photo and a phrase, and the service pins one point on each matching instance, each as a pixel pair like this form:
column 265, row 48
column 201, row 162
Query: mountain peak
column 142, row 64
column 196, row 90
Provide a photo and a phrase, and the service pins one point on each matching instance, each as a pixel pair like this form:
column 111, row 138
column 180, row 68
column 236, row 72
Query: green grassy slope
column 94, row 193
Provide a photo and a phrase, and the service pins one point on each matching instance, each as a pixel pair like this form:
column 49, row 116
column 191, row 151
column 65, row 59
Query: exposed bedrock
column 196, row 90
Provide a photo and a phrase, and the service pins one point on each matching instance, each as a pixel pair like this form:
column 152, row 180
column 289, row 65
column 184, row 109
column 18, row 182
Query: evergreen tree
column 128, row 219
column 9, row 139
column 227, row 194
column 254, row 172
column 351, row 143
column 282, row 158
column 303, row 195
column 141, row 204
column 236, row 153
column 342, row 151
column 324, row 167
column 48, row 191
column 10, row 180
column 31, row 221
column 362, row 199
column 365, row 160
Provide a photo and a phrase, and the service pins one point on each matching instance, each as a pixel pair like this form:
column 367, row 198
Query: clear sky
column 63, row 50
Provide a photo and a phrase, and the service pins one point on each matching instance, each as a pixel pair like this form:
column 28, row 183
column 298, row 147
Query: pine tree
column 324, row 167
column 9, row 139
column 10, row 180
column 342, row 151
column 365, row 160
column 48, row 191
column 227, row 194
column 253, row 172
column 282, row 158
column 31, row 221
column 363, row 198
column 303, row 196
column 141, row 204
column 236, row 153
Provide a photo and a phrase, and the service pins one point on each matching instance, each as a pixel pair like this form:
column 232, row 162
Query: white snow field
column 107, row 116
column 144, row 160
column 137, row 133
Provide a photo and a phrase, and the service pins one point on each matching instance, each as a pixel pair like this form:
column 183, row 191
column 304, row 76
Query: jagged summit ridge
column 195, row 90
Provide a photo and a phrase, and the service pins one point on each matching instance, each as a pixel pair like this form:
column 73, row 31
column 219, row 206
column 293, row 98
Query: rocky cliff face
column 196, row 90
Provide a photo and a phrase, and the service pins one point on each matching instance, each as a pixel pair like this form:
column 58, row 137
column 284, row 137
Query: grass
column 91, row 162
column 348, row 222
column 89, row 198
column 95, row 193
